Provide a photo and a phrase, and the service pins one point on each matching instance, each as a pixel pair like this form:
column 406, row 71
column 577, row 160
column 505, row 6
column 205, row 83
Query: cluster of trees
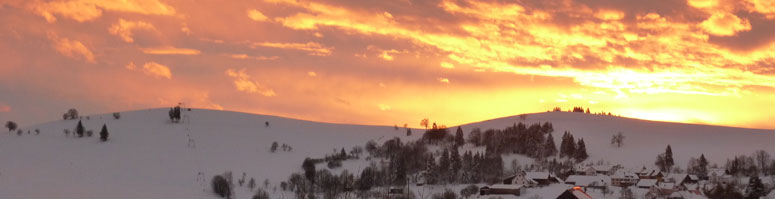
column 534, row 141
column 579, row 109
column 698, row 166
column 284, row 147
column 174, row 114
column 573, row 149
column 80, row 131
column 759, row 162
column 70, row 114
column 11, row 125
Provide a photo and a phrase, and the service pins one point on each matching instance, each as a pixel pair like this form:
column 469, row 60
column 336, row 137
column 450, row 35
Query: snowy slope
column 645, row 139
column 148, row 157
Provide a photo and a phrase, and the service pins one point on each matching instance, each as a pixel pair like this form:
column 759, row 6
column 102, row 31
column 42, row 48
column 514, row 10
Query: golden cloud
column 152, row 69
column 313, row 48
column 256, row 15
column 243, row 82
column 124, row 28
column 447, row 65
column 443, row 80
column 71, row 48
column 384, row 107
column 312, row 74
column 87, row 10
column 765, row 7
column 725, row 24
column 665, row 55
column 169, row 50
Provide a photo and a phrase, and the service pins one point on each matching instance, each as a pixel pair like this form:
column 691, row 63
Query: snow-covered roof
column 624, row 174
column 646, row 182
column 678, row 178
column 505, row 186
column 666, row 185
column 579, row 194
column 538, row 175
column 716, row 172
column 580, row 180
column 602, row 167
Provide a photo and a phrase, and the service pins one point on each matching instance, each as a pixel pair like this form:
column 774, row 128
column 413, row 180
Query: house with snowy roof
column 598, row 181
column 574, row 193
column 502, row 189
column 622, row 178
column 520, row 178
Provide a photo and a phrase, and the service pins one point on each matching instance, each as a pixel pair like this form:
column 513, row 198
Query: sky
column 392, row 62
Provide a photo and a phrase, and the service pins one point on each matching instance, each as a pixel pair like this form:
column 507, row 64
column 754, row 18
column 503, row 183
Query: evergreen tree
column 755, row 188
column 408, row 132
column 567, row 145
column 702, row 170
column 79, row 129
column 669, row 162
column 459, row 140
column 11, row 126
column 581, row 152
column 430, row 170
column 444, row 164
column 104, row 133
column 456, row 162
column 549, row 148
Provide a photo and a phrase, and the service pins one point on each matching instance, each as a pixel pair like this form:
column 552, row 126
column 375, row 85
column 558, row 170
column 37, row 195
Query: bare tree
column 763, row 158
column 617, row 139
column 424, row 122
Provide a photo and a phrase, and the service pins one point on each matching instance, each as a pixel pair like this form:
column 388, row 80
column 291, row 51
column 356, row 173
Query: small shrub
column 19, row 132
column 89, row 133
column 448, row 194
column 261, row 194
column 252, row 184
column 116, row 115
column 221, row 187
column 37, row 131
column 469, row 191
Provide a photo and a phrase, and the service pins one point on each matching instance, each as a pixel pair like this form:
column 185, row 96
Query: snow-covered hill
column 149, row 157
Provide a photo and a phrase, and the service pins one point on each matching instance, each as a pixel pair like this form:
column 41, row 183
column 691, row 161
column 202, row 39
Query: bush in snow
column 261, row 194
column 273, row 148
column 448, row 194
column 469, row 191
column 11, row 126
column 89, row 133
column 221, row 187
column 67, row 132
column 70, row 114
column 252, row 184
column 116, row 115
column 19, row 132
column 334, row 164
column 37, row 131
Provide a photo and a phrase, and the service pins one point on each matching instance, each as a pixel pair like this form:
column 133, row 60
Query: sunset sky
column 392, row 62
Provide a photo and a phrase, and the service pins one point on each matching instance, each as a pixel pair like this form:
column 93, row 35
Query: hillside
column 149, row 157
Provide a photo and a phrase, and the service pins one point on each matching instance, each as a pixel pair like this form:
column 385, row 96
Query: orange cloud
column 153, row 69
column 169, row 50
column 87, row 10
column 447, row 65
column 765, row 7
column 703, row 3
column 256, row 15
column 313, row 48
column 4, row 107
column 245, row 56
column 124, row 28
column 71, row 48
column 443, row 80
column 725, row 24
column 312, row 74
column 243, row 82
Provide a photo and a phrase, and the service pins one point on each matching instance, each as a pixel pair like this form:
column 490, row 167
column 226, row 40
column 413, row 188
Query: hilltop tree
column 424, row 122
column 475, row 137
column 617, row 139
column 79, row 129
column 174, row 114
column 104, row 133
column 71, row 114
column 459, row 140
column 274, row 147
column 550, row 149
column 408, row 132
column 11, row 126
column 116, row 115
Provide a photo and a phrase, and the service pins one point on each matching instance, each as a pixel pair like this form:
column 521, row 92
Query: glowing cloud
column 725, row 24
column 72, row 48
column 447, row 65
column 313, row 48
column 383, row 107
column 256, row 15
column 245, row 56
column 153, row 69
column 87, row 10
column 312, row 74
column 443, row 80
column 4, row 107
column 765, row 7
column 124, row 28
column 243, row 82
column 169, row 50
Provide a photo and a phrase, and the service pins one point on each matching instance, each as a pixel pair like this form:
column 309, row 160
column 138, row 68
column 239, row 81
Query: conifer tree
column 79, row 129
column 669, row 162
column 581, row 152
column 104, row 133
column 459, row 140
column 549, row 148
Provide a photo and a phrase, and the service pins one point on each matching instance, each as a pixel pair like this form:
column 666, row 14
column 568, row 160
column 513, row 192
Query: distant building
column 646, row 183
column 502, row 189
column 623, row 178
column 596, row 182
column 520, row 179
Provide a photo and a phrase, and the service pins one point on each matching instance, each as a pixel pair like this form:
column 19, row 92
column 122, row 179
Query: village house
column 574, row 193
column 542, row 178
column 596, row 170
column 680, row 179
column 651, row 173
column 623, row 178
column 502, row 189
column 716, row 175
column 686, row 195
column 595, row 182
column 520, row 179
column 646, row 183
